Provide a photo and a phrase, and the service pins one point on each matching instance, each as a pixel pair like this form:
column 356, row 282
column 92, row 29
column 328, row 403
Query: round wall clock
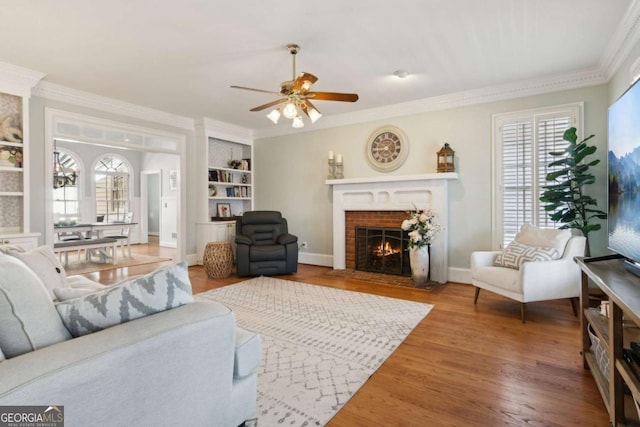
column 387, row 148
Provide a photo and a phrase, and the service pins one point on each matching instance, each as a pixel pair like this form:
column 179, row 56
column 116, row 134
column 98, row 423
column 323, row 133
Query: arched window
column 66, row 199
column 112, row 178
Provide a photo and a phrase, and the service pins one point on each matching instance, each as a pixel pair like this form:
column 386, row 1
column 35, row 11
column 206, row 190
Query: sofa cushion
column 163, row 289
column 543, row 237
column 499, row 277
column 514, row 255
column 1, row 356
column 248, row 353
column 28, row 318
column 46, row 265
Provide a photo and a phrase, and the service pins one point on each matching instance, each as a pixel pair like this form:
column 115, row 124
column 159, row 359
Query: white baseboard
column 168, row 244
column 315, row 259
column 460, row 275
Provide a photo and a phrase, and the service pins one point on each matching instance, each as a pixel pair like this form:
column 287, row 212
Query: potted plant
column 565, row 199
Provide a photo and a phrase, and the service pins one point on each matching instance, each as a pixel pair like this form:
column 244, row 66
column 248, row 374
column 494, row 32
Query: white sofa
column 187, row 366
column 535, row 280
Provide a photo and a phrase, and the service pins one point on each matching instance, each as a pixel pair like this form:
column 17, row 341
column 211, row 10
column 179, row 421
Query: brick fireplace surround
column 391, row 196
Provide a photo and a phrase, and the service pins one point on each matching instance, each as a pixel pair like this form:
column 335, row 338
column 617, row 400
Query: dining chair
column 125, row 234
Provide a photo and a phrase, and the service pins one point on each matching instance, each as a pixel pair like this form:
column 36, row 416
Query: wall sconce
column 446, row 158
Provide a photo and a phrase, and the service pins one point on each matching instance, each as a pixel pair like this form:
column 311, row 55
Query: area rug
column 320, row 344
column 84, row 267
column 387, row 279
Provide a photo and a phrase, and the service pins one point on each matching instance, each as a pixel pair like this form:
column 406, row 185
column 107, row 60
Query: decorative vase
column 419, row 260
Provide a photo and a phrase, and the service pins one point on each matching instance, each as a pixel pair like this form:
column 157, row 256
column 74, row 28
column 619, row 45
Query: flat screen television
column 623, row 164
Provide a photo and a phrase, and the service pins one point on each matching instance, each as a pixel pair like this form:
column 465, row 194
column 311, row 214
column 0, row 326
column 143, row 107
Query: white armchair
column 534, row 280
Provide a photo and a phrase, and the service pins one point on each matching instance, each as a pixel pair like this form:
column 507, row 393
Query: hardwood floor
column 464, row 364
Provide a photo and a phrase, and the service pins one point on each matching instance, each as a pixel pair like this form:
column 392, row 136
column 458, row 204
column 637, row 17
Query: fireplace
column 382, row 250
column 391, row 194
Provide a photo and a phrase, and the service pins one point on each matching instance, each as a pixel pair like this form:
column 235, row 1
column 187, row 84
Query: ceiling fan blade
column 332, row 96
column 270, row 104
column 256, row 90
column 307, row 106
column 299, row 82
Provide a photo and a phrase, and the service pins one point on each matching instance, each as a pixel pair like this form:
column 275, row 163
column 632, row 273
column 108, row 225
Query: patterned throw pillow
column 165, row 288
column 517, row 253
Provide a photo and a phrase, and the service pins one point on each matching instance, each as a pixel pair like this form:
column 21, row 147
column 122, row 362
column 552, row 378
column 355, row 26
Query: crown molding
column 18, row 80
column 623, row 40
column 443, row 102
column 223, row 130
column 81, row 98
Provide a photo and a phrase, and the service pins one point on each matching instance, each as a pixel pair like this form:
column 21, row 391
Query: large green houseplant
column 565, row 199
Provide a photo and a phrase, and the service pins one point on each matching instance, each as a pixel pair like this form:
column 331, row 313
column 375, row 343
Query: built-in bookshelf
column 226, row 176
column 15, row 90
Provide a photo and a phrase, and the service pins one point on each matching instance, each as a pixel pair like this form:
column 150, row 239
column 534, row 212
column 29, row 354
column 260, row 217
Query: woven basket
column 218, row 259
column 600, row 352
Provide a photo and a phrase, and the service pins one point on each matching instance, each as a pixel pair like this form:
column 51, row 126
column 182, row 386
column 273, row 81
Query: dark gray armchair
column 264, row 245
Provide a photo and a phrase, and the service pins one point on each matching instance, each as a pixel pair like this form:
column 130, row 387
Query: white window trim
column 497, row 121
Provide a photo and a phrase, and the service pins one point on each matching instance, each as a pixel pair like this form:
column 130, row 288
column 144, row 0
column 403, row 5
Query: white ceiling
column 182, row 56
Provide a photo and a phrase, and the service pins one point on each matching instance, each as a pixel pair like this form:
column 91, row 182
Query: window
column 112, row 178
column 66, row 200
column 522, row 143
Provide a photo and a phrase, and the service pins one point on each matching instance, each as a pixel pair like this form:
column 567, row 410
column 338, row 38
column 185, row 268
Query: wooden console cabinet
column 614, row 334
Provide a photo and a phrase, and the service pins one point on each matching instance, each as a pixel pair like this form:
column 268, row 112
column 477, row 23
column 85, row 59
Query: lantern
column 445, row 159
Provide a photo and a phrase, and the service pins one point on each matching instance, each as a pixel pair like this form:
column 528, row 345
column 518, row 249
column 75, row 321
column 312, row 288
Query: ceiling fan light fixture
column 314, row 114
column 274, row 115
column 401, row 74
column 297, row 122
column 290, row 111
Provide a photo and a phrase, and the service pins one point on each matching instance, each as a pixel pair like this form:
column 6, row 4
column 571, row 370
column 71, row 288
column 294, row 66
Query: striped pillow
column 514, row 255
column 165, row 288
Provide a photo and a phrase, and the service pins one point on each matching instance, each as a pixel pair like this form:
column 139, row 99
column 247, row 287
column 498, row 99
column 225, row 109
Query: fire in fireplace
column 382, row 250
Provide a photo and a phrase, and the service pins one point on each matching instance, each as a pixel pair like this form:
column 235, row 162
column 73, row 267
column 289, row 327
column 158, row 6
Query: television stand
column 611, row 336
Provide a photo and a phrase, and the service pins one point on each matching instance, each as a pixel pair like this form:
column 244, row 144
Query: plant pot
column 419, row 260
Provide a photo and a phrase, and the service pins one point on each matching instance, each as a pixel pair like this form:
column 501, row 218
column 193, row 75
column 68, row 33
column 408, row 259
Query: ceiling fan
column 295, row 94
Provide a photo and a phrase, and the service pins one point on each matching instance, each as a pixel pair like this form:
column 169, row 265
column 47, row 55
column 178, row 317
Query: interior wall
column 291, row 169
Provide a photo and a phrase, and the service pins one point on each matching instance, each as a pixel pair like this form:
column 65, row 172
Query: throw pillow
column 28, row 319
column 46, row 265
column 543, row 237
column 516, row 254
column 1, row 356
column 165, row 288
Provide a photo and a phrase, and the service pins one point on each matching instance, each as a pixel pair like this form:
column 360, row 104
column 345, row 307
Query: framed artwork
column 224, row 210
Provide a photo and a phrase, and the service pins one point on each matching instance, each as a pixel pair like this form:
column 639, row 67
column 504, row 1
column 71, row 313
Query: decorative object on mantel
column 446, row 159
column 332, row 166
column 339, row 167
column 387, row 148
column 422, row 229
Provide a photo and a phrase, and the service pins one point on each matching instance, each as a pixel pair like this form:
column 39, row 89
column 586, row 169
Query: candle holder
column 332, row 169
column 339, row 171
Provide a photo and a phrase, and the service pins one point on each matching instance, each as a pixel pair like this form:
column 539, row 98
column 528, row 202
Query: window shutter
column 517, row 174
column 550, row 132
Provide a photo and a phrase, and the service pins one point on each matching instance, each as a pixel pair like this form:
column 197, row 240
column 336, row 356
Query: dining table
column 95, row 230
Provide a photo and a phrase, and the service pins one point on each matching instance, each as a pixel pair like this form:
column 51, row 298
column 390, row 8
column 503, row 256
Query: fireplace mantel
column 394, row 193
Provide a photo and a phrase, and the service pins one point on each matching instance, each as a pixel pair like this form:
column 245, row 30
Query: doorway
column 150, row 191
